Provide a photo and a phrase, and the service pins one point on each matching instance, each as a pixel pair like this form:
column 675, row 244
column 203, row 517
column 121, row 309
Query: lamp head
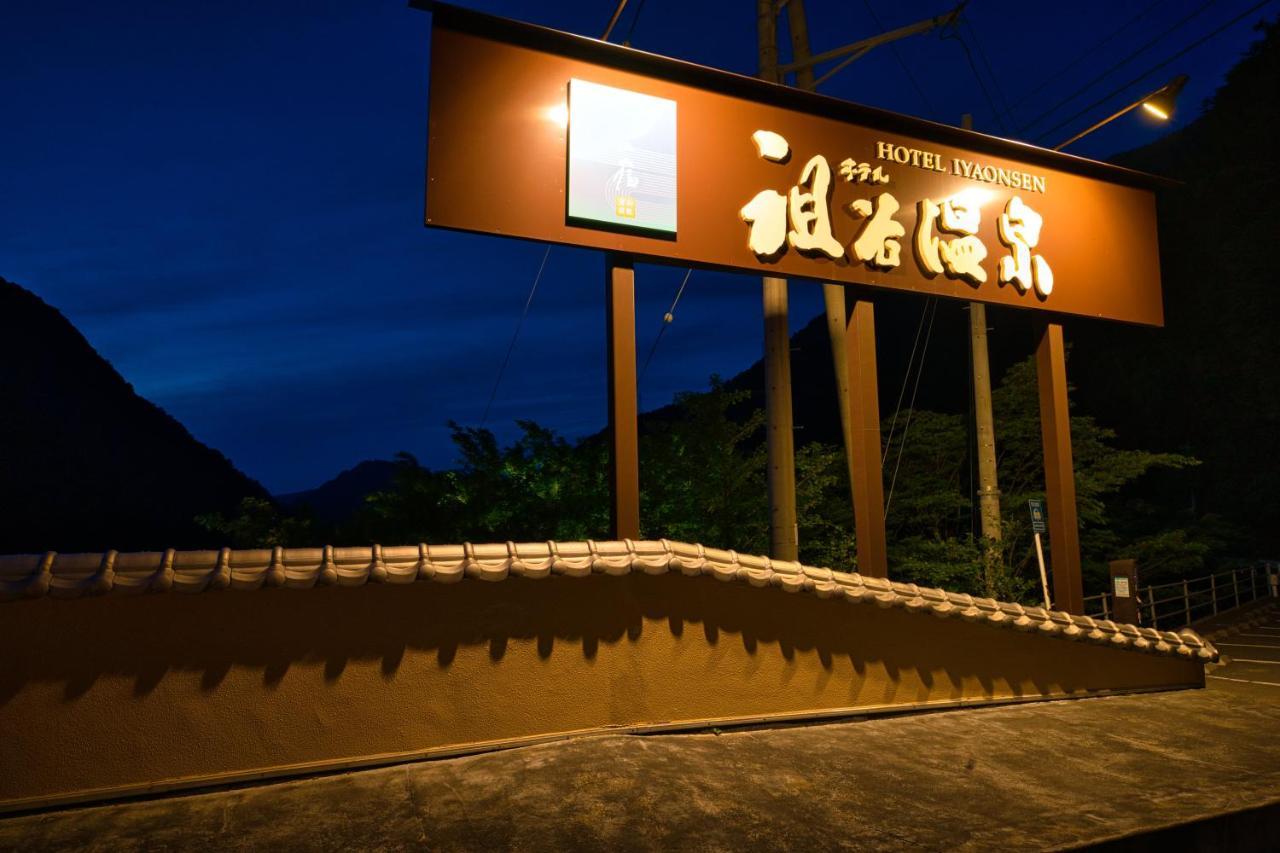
column 1161, row 104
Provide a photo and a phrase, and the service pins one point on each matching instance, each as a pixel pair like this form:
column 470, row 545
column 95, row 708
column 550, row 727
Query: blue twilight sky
column 226, row 198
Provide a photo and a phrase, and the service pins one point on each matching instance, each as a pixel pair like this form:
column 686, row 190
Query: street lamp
column 1159, row 103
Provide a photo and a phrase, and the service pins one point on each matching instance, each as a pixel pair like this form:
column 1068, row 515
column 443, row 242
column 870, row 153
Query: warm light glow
column 1155, row 111
column 557, row 115
column 972, row 197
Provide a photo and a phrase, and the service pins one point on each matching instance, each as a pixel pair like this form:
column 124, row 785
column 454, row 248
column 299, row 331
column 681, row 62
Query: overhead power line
column 617, row 13
column 516, row 336
column 986, row 63
column 986, row 93
column 902, row 446
column 634, row 20
column 1114, row 68
column 1080, row 57
column 1158, row 67
column 906, row 69
column 667, row 319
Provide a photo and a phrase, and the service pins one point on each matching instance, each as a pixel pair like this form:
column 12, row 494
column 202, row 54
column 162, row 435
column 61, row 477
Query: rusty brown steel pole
column 624, row 449
column 1059, row 472
column 783, row 528
column 783, row 534
column 864, row 419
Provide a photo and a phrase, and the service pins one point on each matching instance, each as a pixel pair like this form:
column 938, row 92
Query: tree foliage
column 703, row 476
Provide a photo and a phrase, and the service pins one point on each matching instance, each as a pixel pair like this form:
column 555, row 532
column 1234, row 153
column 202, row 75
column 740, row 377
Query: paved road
column 1254, row 655
column 1047, row 775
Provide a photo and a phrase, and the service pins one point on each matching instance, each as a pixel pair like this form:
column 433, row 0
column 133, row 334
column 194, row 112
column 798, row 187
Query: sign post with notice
column 1039, row 525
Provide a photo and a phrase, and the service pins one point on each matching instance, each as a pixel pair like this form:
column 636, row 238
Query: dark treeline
column 703, row 480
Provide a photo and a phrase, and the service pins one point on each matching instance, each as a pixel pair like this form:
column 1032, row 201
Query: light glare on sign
column 622, row 158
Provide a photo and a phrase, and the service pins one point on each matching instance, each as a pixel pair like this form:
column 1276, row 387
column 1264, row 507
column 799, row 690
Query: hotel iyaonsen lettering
column 946, row 235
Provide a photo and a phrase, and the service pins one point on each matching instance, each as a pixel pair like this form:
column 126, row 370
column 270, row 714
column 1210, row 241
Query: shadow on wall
column 145, row 637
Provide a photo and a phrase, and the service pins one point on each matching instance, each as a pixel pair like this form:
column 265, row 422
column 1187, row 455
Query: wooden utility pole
column 851, row 330
column 988, row 487
column 783, row 529
column 832, row 294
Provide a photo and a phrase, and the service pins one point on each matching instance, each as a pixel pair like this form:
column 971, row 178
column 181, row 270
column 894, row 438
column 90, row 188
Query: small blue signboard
column 1038, row 524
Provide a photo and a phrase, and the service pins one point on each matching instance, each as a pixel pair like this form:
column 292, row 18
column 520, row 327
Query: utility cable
column 1080, row 57
column 986, row 63
column 634, row 18
column 506, row 360
column 666, row 321
column 511, row 346
column 956, row 34
column 911, row 409
column 906, row 69
column 1157, row 67
column 906, row 378
column 1114, row 68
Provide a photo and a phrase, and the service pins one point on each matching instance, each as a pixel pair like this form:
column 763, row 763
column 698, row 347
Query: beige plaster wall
column 108, row 695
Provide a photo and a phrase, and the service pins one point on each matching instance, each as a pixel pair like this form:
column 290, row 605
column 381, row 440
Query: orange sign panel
column 546, row 136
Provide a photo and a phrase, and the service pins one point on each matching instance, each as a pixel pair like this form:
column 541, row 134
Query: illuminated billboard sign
column 547, row 136
column 622, row 158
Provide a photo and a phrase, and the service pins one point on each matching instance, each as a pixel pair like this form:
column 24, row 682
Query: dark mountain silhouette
column 86, row 463
column 1209, row 382
column 337, row 499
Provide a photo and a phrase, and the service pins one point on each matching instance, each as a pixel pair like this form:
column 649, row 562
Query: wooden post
column 1059, row 474
column 624, row 456
column 783, row 537
column 864, row 421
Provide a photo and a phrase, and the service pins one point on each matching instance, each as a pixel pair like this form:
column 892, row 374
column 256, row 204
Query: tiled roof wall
column 71, row 575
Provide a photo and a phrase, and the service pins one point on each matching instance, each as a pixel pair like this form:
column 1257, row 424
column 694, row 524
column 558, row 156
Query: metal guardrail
column 1177, row 604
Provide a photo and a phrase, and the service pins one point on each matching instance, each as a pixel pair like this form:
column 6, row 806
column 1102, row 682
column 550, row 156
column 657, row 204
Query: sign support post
column 783, row 534
column 1059, row 473
column 864, row 423
column 624, row 450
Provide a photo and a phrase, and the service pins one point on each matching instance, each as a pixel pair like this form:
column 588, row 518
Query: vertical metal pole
column 1253, row 583
column 1059, row 474
column 1213, row 592
column 1186, row 601
column 1151, row 600
column 864, row 420
column 1235, row 585
column 624, row 457
column 783, row 533
column 783, row 541
column 1106, row 612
